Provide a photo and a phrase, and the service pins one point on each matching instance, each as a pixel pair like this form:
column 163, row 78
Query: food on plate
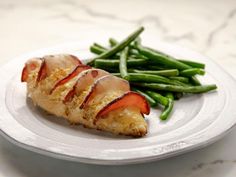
column 98, row 94
column 63, row 86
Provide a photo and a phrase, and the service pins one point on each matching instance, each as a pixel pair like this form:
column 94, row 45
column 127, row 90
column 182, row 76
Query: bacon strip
column 60, row 61
column 105, row 84
column 70, row 76
column 84, row 81
column 126, row 100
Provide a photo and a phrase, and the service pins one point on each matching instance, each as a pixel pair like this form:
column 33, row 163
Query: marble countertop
column 207, row 26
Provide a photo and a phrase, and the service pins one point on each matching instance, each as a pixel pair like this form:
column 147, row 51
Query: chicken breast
column 63, row 86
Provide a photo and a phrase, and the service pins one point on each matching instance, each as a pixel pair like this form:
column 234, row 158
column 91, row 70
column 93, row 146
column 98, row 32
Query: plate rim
column 109, row 162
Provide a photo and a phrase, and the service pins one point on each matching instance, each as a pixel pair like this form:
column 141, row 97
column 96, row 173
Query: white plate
column 197, row 120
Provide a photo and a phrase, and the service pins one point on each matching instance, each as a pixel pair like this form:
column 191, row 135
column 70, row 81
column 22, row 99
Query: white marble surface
column 207, row 26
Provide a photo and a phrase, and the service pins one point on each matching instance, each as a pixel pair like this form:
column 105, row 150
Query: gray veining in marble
column 207, row 26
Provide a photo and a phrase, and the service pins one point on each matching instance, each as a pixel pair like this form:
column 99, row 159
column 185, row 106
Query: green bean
column 120, row 46
column 161, row 59
column 116, row 74
column 192, row 72
column 103, row 63
column 97, row 50
column 100, row 49
column 194, row 81
column 99, row 46
column 169, row 95
column 133, row 52
column 123, row 63
column 153, row 67
column 177, row 88
column 180, row 79
column 136, row 54
column 150, row 100
column 188, row 62
column 193, row 63
column 170, row 72
column 158, row 97
column 137, row 41
column 167, row 110
column 139, row 77
column 113, row 42
column 132, row 56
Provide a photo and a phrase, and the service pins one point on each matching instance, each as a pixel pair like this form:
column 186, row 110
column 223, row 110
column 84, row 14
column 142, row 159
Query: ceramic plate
column 197, row 120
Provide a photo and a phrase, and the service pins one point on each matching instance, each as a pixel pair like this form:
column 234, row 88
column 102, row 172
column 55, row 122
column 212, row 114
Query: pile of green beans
column 159, row 77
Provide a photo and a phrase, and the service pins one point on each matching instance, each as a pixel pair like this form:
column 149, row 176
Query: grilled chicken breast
column 63, row 86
